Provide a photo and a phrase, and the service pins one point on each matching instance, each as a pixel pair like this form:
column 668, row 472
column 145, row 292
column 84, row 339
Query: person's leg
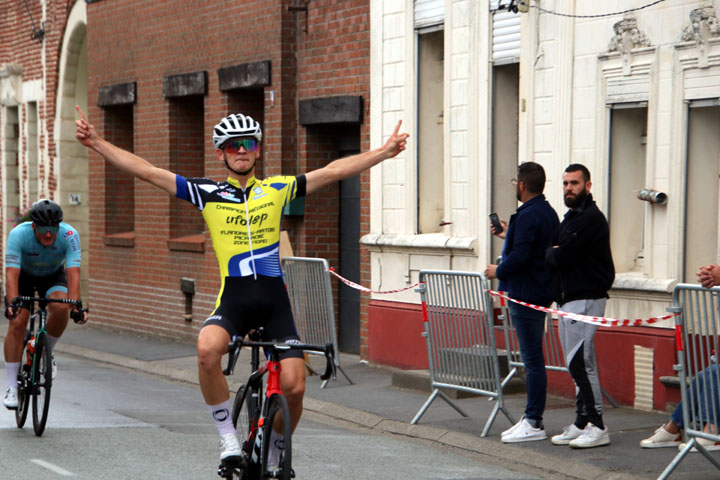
column 212, row 344
column 580, row 357
column 530, row 327
column 706, row 389
column 13, row 347
column 292, row 384
column 565, row 333
column 58, row 315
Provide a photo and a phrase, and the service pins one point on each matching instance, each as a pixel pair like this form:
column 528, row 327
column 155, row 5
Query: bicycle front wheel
column 278, row 416
column 42, row 379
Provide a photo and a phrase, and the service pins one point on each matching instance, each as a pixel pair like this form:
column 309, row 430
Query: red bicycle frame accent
column 273, row 381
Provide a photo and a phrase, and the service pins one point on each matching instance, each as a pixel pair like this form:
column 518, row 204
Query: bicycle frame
column 30, row 383
column 259, row 404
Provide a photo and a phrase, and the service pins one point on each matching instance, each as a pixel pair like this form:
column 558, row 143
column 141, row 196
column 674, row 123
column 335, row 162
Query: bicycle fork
column 272, row 388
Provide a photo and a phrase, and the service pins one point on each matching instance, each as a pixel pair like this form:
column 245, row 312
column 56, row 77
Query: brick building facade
column 160, row 76
column 154, row 79
column 42, row 76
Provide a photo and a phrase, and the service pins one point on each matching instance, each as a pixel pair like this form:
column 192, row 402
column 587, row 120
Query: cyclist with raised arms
column 243, row 216
column 42, row 255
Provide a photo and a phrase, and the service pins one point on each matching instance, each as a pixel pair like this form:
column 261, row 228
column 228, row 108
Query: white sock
column 277, row 445
column 51, row 342
column 222, row 417
column 12, row 369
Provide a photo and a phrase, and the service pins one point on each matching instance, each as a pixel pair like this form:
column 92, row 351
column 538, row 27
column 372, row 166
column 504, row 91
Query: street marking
column 52, row 468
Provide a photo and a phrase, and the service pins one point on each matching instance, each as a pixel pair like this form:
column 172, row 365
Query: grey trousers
column 578, row 338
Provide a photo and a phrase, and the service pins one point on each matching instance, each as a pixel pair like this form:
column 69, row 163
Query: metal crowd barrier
column 696, row 343
column 552, row 349
column 462, row 356
column 308, row 285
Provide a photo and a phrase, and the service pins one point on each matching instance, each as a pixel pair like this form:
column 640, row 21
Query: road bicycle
column 254, row 414
column 35, row 375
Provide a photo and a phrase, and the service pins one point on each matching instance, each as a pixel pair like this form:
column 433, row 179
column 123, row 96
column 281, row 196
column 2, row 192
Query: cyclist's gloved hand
column 79, row 315
column 12, row 309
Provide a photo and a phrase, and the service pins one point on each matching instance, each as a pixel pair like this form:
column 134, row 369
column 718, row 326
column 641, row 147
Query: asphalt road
column 114, row 423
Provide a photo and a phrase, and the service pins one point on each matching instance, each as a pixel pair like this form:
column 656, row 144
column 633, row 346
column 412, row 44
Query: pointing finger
column 79, row 110
column 397, row 128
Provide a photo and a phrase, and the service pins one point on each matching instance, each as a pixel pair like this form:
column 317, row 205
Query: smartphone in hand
column 496, row 223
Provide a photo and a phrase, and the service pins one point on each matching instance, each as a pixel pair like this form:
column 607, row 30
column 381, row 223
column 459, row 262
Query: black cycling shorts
column 247, row 303
column 29, row 284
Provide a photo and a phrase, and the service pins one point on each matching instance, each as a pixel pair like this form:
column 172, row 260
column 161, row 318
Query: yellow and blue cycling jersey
column 244, row 224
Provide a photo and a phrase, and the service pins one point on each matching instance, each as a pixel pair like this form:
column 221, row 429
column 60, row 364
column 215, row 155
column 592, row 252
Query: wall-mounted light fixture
column 652, row 196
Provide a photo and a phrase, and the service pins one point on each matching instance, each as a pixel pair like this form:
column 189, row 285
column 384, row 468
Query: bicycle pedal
column 278, row 473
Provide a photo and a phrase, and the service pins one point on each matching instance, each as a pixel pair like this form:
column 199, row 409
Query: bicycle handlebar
column 328, row 351
column 76, row 315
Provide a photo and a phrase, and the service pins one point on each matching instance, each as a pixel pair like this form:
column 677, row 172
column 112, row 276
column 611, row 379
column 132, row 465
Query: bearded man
column 582, row 266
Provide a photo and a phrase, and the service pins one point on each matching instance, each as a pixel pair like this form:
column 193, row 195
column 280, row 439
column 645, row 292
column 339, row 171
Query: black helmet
column 45, row 212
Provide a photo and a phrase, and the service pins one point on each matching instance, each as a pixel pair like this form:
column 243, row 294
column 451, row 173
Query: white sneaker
column 513, row 428
column 661, row 438
column 230, row 446
column 591, row 437
column 524, row 432
column 708, row 444
column 11, row 401
column 54, row 367
column 570, row 433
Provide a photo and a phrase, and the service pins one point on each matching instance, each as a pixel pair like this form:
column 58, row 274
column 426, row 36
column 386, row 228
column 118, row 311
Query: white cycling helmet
column 236, row 125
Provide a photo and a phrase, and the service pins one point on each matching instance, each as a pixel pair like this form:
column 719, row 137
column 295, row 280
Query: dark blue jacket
column 522, row 272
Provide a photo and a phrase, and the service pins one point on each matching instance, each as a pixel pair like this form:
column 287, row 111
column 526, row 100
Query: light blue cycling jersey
column 27, row 254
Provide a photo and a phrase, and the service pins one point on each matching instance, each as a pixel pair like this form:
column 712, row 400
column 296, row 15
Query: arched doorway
column 72, row 159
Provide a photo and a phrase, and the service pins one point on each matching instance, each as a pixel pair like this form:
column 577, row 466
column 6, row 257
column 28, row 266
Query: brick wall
column 333, row 59
column 173, row 37
column 18, row 49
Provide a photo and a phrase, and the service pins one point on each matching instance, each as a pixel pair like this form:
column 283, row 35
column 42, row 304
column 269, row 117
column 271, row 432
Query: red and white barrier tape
column 365, row 289
column 602, row 321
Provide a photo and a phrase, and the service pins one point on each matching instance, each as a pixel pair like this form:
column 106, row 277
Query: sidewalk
column 373, row 402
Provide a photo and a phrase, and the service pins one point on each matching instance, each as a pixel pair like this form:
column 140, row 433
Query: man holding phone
column 525, row 277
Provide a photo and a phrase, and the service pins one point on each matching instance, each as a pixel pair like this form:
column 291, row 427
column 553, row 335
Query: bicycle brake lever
column 233, row 349
column 330, row 370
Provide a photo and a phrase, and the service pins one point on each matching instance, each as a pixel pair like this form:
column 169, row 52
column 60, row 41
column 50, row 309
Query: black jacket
column 582, row 263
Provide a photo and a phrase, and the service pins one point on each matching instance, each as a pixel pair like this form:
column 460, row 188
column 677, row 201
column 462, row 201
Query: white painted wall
column 568, row 76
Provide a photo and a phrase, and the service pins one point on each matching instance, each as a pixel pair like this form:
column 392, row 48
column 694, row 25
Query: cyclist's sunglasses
column 42, row 230
column 249, row 144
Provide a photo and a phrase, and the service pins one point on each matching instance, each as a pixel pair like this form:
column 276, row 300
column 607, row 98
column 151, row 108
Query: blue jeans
column 530, row 327
column 698, row 388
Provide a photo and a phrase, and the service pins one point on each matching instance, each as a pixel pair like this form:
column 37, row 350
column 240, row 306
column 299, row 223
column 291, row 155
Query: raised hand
column 84, row 131
column 396, row 143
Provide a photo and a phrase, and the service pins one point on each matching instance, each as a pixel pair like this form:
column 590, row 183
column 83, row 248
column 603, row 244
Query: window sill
column 124, row 239
column 428, row 240
column 188, row 243
column 635, row 281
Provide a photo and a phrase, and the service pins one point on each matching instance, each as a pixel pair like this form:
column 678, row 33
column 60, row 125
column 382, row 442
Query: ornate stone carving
column 627, row 36
column 703, row 26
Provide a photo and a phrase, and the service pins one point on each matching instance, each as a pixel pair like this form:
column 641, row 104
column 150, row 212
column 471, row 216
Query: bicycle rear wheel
column 24, row 392
column 42, row 379
column 277, row 413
